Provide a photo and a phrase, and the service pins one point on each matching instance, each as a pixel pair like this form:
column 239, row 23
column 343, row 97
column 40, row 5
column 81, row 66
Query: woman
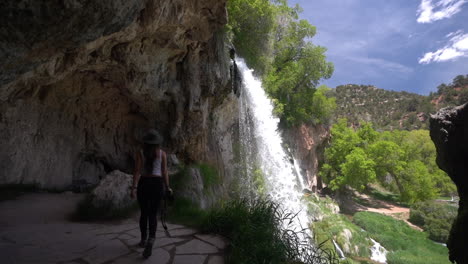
column 151, row 165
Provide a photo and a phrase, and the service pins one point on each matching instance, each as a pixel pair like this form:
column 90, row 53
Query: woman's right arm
column 136, row 173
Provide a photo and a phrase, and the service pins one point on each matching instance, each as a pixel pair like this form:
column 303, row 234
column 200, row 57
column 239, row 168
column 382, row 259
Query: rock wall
column 449, row 131
column 81, row 80
column 307, row 144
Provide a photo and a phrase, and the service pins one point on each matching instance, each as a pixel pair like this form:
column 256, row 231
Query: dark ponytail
column 149, row 152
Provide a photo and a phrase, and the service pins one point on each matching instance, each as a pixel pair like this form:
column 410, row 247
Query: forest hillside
column 389, row 110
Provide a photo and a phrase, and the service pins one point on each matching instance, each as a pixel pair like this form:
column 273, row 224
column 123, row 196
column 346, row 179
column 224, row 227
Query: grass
column 183, row 211
column 333, row 226
column 383, row 195
column 407, row 246
column 209, row 174
column 255, row 231
column 87, row 211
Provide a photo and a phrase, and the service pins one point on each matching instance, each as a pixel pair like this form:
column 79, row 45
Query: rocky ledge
column 80, row 80
column 449, row 131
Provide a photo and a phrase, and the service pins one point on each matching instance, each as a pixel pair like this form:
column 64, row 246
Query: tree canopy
column 402, row 161
column 277, row 45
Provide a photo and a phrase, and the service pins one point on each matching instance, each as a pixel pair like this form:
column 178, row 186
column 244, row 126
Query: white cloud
column 433, row 10
column 457, row 47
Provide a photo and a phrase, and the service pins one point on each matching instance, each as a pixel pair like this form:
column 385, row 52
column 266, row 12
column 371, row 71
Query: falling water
column 298, row 175
column 338, row 249
column 262, row 148
column 379, row 253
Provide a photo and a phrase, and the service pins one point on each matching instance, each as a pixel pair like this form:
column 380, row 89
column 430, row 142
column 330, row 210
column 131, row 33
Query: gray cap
column 153, row 137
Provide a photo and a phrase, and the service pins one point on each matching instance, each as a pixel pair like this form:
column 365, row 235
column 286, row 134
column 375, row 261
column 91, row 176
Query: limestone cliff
column 307, row 143
column 80, row 80
column 449, row 131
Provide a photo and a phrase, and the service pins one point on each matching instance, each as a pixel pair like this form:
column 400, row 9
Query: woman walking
column 152, row 179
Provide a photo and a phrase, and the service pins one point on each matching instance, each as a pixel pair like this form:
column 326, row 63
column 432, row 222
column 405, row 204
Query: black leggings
column 149, row 194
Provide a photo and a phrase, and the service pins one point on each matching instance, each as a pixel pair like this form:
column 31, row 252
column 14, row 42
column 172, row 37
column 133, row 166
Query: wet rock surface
column 80, row 81
column 449, row 131
column 307, row 144
column 40, row 233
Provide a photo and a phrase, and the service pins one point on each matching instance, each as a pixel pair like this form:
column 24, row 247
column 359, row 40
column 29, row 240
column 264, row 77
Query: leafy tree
column 344, row 140
column 460, row 81
column 367, row 134
column 403, row 161
column 388, row 161
column 297, row 68
column 416, row 183
column 276, row 44
column 357, row 171
column 252, row 23
column 323, row 106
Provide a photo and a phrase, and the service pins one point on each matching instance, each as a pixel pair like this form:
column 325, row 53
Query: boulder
column 449, row 131
column 113, row 191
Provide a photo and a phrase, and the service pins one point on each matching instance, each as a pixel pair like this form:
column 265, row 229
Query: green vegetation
column 380, row 194
column 259, row 181
column 452, row 94
column 255, row 231
column 338, row 227
column 184, row 211
column 406, row 245
column 209, row 174
column 435, row 218
column 347, row 235
column 86, row 210
column 276, row 44
column 389, row 110
column 401, row 161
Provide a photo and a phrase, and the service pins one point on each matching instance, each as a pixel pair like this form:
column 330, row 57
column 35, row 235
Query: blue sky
column 410, row 45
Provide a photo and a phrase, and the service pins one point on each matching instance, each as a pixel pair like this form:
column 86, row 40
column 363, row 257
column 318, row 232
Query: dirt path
column 387, row 208
column 34, row 229
column 363, row 202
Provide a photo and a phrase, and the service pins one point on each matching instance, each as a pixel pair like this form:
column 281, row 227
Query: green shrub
column 435, row 218
column 438, row 229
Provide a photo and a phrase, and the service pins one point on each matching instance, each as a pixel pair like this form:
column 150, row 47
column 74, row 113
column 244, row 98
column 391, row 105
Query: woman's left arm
column 165, row 172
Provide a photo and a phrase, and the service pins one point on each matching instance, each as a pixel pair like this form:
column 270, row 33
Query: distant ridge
column 389, row 110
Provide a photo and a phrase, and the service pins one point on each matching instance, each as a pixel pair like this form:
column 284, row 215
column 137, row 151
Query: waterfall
column 262, row 149
column 338, row 249
column 379, row 253
column 298, row 175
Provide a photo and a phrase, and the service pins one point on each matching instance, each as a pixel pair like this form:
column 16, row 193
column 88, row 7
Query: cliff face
column 307, row 144
column 449, row 131
column 80, row 80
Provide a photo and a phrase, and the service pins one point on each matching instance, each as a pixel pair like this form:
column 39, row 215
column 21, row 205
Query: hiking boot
column 149, row 248
column 142, row 243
